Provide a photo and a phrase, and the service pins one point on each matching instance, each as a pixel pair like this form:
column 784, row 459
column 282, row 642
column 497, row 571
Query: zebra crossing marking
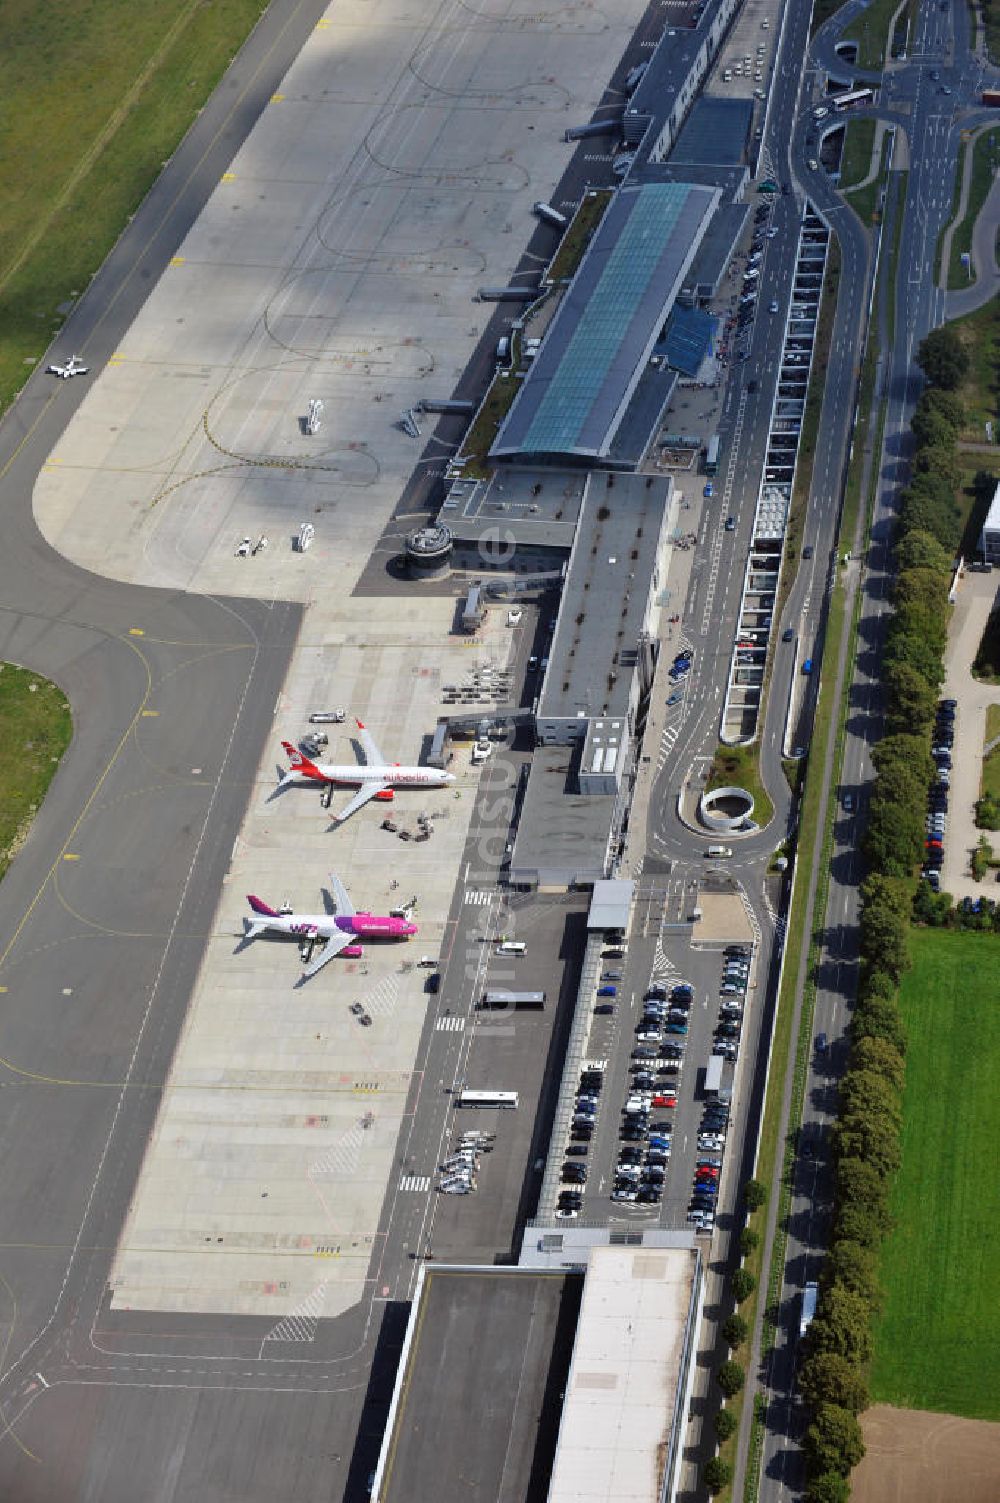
column 301, row 1323
column 418, row 1182
column 449, row 1025
column 477, row 896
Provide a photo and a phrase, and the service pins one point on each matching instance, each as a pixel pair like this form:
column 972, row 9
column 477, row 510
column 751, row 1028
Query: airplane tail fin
column 259, row 906
column 299, row 764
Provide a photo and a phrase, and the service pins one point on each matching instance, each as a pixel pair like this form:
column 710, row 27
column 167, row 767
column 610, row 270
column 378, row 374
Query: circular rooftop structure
column 428, row 551
column 727, row 809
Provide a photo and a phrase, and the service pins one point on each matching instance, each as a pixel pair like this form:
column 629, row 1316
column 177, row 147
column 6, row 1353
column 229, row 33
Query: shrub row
column 866, row 1141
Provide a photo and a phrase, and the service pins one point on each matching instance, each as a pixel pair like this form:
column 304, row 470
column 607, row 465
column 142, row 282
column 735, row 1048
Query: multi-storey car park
column 317, row 1212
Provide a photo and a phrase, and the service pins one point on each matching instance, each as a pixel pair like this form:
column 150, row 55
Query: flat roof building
column 475, row 1410
column 626, row 1398
column 567, row 1377
column 599, row 342
column 990, row 540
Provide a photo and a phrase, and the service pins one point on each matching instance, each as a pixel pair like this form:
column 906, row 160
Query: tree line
column 866, row 1137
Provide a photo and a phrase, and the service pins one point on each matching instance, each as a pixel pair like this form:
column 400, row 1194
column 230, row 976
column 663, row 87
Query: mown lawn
column 96, row 95
column 939, row 1335
column 35, row 730
column 856, row 157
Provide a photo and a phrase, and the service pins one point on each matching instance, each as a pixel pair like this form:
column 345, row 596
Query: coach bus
column 497, row 1100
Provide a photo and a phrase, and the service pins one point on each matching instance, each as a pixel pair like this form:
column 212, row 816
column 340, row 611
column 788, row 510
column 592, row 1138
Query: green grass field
column 35, row 730
column 938, row 1338
column 96, row 96
column 985, row 157
column 980, row 392
column 856, row 157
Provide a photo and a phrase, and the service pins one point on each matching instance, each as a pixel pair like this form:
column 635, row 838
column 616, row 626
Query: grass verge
column 940, row 1266
column 97, row 95
column 497, row 402
column 856, row 157
column 871, row 32
column 578, row 236
column 866, row 202
column 35, row 730
column 737, row 765
column 980, row 392
column 985, row 159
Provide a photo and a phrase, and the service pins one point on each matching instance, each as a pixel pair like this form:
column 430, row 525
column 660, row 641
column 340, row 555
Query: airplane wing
column 345, row 907
column 333, row 947
column 366, row 792
column 371, row 752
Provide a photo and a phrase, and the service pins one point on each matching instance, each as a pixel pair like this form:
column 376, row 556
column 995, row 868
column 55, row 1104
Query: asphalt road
column 933, row 121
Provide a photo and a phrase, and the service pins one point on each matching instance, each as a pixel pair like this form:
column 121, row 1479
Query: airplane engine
column 385, row 796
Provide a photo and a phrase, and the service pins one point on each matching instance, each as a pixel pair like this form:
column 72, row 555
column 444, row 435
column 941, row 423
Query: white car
column 514, row 615
column 567, row 1215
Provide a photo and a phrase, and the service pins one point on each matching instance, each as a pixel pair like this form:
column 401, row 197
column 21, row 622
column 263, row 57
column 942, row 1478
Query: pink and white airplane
column 341, row 929
column 374, row 778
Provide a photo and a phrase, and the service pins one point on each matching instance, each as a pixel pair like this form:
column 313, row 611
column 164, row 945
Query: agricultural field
column 939, row 1332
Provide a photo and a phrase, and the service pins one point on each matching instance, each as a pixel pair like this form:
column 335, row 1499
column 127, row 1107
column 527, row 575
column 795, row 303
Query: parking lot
column 644, row 1117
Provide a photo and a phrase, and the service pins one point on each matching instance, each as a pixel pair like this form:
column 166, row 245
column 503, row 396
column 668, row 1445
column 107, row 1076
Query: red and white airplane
column 341, row 929
column 374, row 778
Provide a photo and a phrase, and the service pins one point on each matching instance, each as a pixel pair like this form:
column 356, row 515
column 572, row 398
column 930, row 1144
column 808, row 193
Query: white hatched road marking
column 340, row 1160
column 418, row 1182
column 449, row 1025
column 301, row 1324
column 381, row 1002
column 478, row 897
column 667, row 742
column 727, row 493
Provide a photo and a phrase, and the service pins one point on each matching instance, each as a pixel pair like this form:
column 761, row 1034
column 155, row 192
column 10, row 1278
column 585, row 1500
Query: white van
column 511, row 947
column 718, row 850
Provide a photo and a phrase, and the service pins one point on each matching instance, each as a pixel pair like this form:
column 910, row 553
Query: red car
column 707, row 1174
column 669, row 1101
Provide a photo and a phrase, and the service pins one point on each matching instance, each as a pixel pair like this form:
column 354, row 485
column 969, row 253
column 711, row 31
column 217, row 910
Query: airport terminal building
column 567, row 1377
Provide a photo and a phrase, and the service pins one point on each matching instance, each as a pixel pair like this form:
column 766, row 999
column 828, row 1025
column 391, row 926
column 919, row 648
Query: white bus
column 511, row 947
column 497, row 1100
column 522, row 1000
column 852, row 97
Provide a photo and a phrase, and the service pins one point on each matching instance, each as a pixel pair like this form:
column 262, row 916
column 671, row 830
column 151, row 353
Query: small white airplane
column 342, row 928
column 374, row 778
column 74, row 366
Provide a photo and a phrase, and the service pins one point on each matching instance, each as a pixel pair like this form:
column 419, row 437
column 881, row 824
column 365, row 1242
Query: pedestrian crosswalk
column 478, row 897
column 449, row 1025
column 416, row 1182
column 301, row 1324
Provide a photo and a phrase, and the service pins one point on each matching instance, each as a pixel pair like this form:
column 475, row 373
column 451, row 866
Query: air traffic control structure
column 574, row 1368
